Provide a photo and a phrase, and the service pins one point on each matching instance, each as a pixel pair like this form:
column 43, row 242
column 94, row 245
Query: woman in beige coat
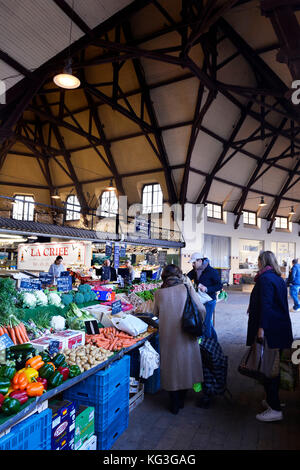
column 180, row 357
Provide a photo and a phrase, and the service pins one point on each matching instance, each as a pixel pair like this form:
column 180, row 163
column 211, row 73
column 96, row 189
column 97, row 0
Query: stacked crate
column 108, row 392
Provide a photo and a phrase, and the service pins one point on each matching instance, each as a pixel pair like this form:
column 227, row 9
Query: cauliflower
column 54, row 299
column 41, row 298
column 29, row 300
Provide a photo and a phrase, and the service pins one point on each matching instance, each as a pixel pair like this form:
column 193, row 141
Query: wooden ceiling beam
column 65, row 7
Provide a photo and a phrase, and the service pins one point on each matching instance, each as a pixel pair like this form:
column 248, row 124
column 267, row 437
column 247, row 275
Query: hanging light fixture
column 66, row 79
column 292, row 212
column 262, row 202
column 55, row 195
column 111, row 186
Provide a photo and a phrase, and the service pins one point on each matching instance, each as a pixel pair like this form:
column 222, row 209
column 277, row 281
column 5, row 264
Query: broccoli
column 79, row 298
column 67, row 299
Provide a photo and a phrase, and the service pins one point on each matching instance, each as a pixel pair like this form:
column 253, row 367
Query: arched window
column 73, row 208
column 152, row 198
column 109, row 204
column 23, row 207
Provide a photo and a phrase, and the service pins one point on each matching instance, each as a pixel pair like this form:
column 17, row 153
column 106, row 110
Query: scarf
column 172, row 281
column 265, row 269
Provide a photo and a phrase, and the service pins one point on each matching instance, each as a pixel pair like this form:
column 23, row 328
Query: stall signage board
column 116, row 307
column 123, row 250
column 117, row 256
column 143, row 277
column 30, row 284
column 45, row 278
column 64, row 284
column 142, row 227
column 108, row 249
column 5, row 342
column 40, row 256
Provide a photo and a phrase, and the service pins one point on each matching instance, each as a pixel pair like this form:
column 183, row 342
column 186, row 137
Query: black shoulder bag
column 191, row 318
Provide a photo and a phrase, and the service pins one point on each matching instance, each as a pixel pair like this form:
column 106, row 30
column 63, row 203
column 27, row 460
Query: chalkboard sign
column 64, row 284
column 123, row 250
column 30, row 284
column 117, row 256
column 53, row 347
column 46, row 278
column 162, row 257
column 143, row 277
column 5, row 341
column 116, row 307
column 91, row 327
column 108, row 249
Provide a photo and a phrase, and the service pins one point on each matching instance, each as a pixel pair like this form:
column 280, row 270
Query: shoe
column 266, row 406
column 296, row 309
column 174, row 410
column 270, row 415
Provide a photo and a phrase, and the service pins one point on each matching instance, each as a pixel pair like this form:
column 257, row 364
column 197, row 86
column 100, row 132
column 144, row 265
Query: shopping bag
column 260, row 362
column 191, row 318
column 130, row 324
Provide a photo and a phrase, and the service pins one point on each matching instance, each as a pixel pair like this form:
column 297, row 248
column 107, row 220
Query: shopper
column 107, row 273
column 294, row 281
column 131, row 270
column 180, row 357
column 269, row 320
column 206, row 279
column 56, row 269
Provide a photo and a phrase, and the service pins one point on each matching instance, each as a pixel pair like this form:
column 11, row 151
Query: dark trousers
column 272, row 391
column 177, row 399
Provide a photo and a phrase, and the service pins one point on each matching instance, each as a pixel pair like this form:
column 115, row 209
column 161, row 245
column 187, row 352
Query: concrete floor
column 227, row 426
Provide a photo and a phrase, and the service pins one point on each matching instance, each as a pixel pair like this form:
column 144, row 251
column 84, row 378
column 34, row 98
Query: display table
column 32, row 404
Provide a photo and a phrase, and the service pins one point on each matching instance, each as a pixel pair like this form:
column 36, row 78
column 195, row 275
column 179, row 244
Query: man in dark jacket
column 294, row 282
column 206, row 279
column 107, row 273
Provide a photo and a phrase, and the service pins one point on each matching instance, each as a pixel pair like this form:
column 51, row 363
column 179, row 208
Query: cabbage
column 29, row 300
column 54, row 299
column 41, row 298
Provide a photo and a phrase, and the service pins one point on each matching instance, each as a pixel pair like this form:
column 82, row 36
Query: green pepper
column 10, row 406
column 74, row 371
column 46, row 371
column 7, row 371
column 59, row 361
column 45, row 357
column 4, row 385
column 55, row 380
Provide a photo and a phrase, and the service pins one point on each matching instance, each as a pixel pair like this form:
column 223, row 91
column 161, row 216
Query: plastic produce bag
column 204, row 297
column 149, row 360
column 130, row 324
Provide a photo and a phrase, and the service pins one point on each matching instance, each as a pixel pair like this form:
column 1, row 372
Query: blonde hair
column 267, row 258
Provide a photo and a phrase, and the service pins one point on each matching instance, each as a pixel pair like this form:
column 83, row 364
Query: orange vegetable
column 20, row 381
column 35, row 389
column 35, row 362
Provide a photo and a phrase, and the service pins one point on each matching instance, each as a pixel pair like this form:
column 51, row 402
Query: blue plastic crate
column 33, row 433
column 107, row 438
column 108, row 411
column 102, row 385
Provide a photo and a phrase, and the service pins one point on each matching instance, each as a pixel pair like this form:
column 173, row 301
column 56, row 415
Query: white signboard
column 40, row 256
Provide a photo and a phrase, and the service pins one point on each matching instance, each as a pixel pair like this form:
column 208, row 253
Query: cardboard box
column 137, row 398
column 84, row 424
column 68, row 339
column 90, row 444
column 105, row 295
column 43, row 343
column 63, row 425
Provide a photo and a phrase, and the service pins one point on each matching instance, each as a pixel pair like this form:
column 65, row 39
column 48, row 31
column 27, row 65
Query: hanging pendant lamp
column 262, row 202
column 66, row 79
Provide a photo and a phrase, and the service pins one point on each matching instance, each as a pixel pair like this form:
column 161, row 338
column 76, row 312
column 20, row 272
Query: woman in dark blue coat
column 269, row 318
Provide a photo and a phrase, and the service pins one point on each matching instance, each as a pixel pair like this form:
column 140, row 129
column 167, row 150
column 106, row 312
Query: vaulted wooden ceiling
column 187, row 93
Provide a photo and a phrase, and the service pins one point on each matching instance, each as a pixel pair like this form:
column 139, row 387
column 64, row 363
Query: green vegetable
column 59, row 360
column 4, row 385
column 45, row 356
column 79, row 298
column 74, row 371
column 22, row 347
column 55, row 380
column 67, row 299
column 46, row 371
column 7, row 371
column 10, row 406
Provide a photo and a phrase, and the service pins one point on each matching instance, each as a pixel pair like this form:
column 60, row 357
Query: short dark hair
column 295, row 261
column 58, row 258
column 171, row 271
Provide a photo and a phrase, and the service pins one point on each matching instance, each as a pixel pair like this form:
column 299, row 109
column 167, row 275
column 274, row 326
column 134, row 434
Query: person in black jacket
column 206, row 279
column 269, row 321
column 107, row 273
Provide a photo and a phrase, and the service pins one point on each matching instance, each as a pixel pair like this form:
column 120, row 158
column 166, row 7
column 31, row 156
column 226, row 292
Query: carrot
column 21, row 333
column 23, row 327
column 18, row 335
column 1, row 331
column 12, row 334
column 5, row 330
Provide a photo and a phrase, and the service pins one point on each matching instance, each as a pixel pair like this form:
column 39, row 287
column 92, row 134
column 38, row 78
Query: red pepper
column 19, row 395
column 64, row 372
column 2, row 398
column 43, row 381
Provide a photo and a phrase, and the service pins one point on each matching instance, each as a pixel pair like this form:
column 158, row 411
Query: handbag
column 260, row 362
column 191, row 318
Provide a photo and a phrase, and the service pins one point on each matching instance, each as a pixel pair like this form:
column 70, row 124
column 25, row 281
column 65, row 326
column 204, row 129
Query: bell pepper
column 54, row 368
column 43, row 381
column 59, row 360
column 46, row 371
column 74, row 371
column 55, row 380
column 35, row 362
column 1, row 400
column 20, row 395
column 7, row 371
column 45, row 356
column 30, row 373
column 10, row 406
column 4, row 385
column 11, row 389
column 35, row 389
column 20, row 381
column 65, row 371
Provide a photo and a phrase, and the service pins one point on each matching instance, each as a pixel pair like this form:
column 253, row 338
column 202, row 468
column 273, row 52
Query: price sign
column 64, row 284
column 117, row 256
column 53, row 347
column 32, row 284
column 5, row 341
column 143, row 277
column 108, row 249
column 123, row 250
column 116, row 307
column 46, row 278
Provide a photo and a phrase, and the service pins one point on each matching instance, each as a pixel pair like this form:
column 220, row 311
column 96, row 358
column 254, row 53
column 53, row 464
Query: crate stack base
column 151, row 385
column 108, row 392
column 33, row 433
